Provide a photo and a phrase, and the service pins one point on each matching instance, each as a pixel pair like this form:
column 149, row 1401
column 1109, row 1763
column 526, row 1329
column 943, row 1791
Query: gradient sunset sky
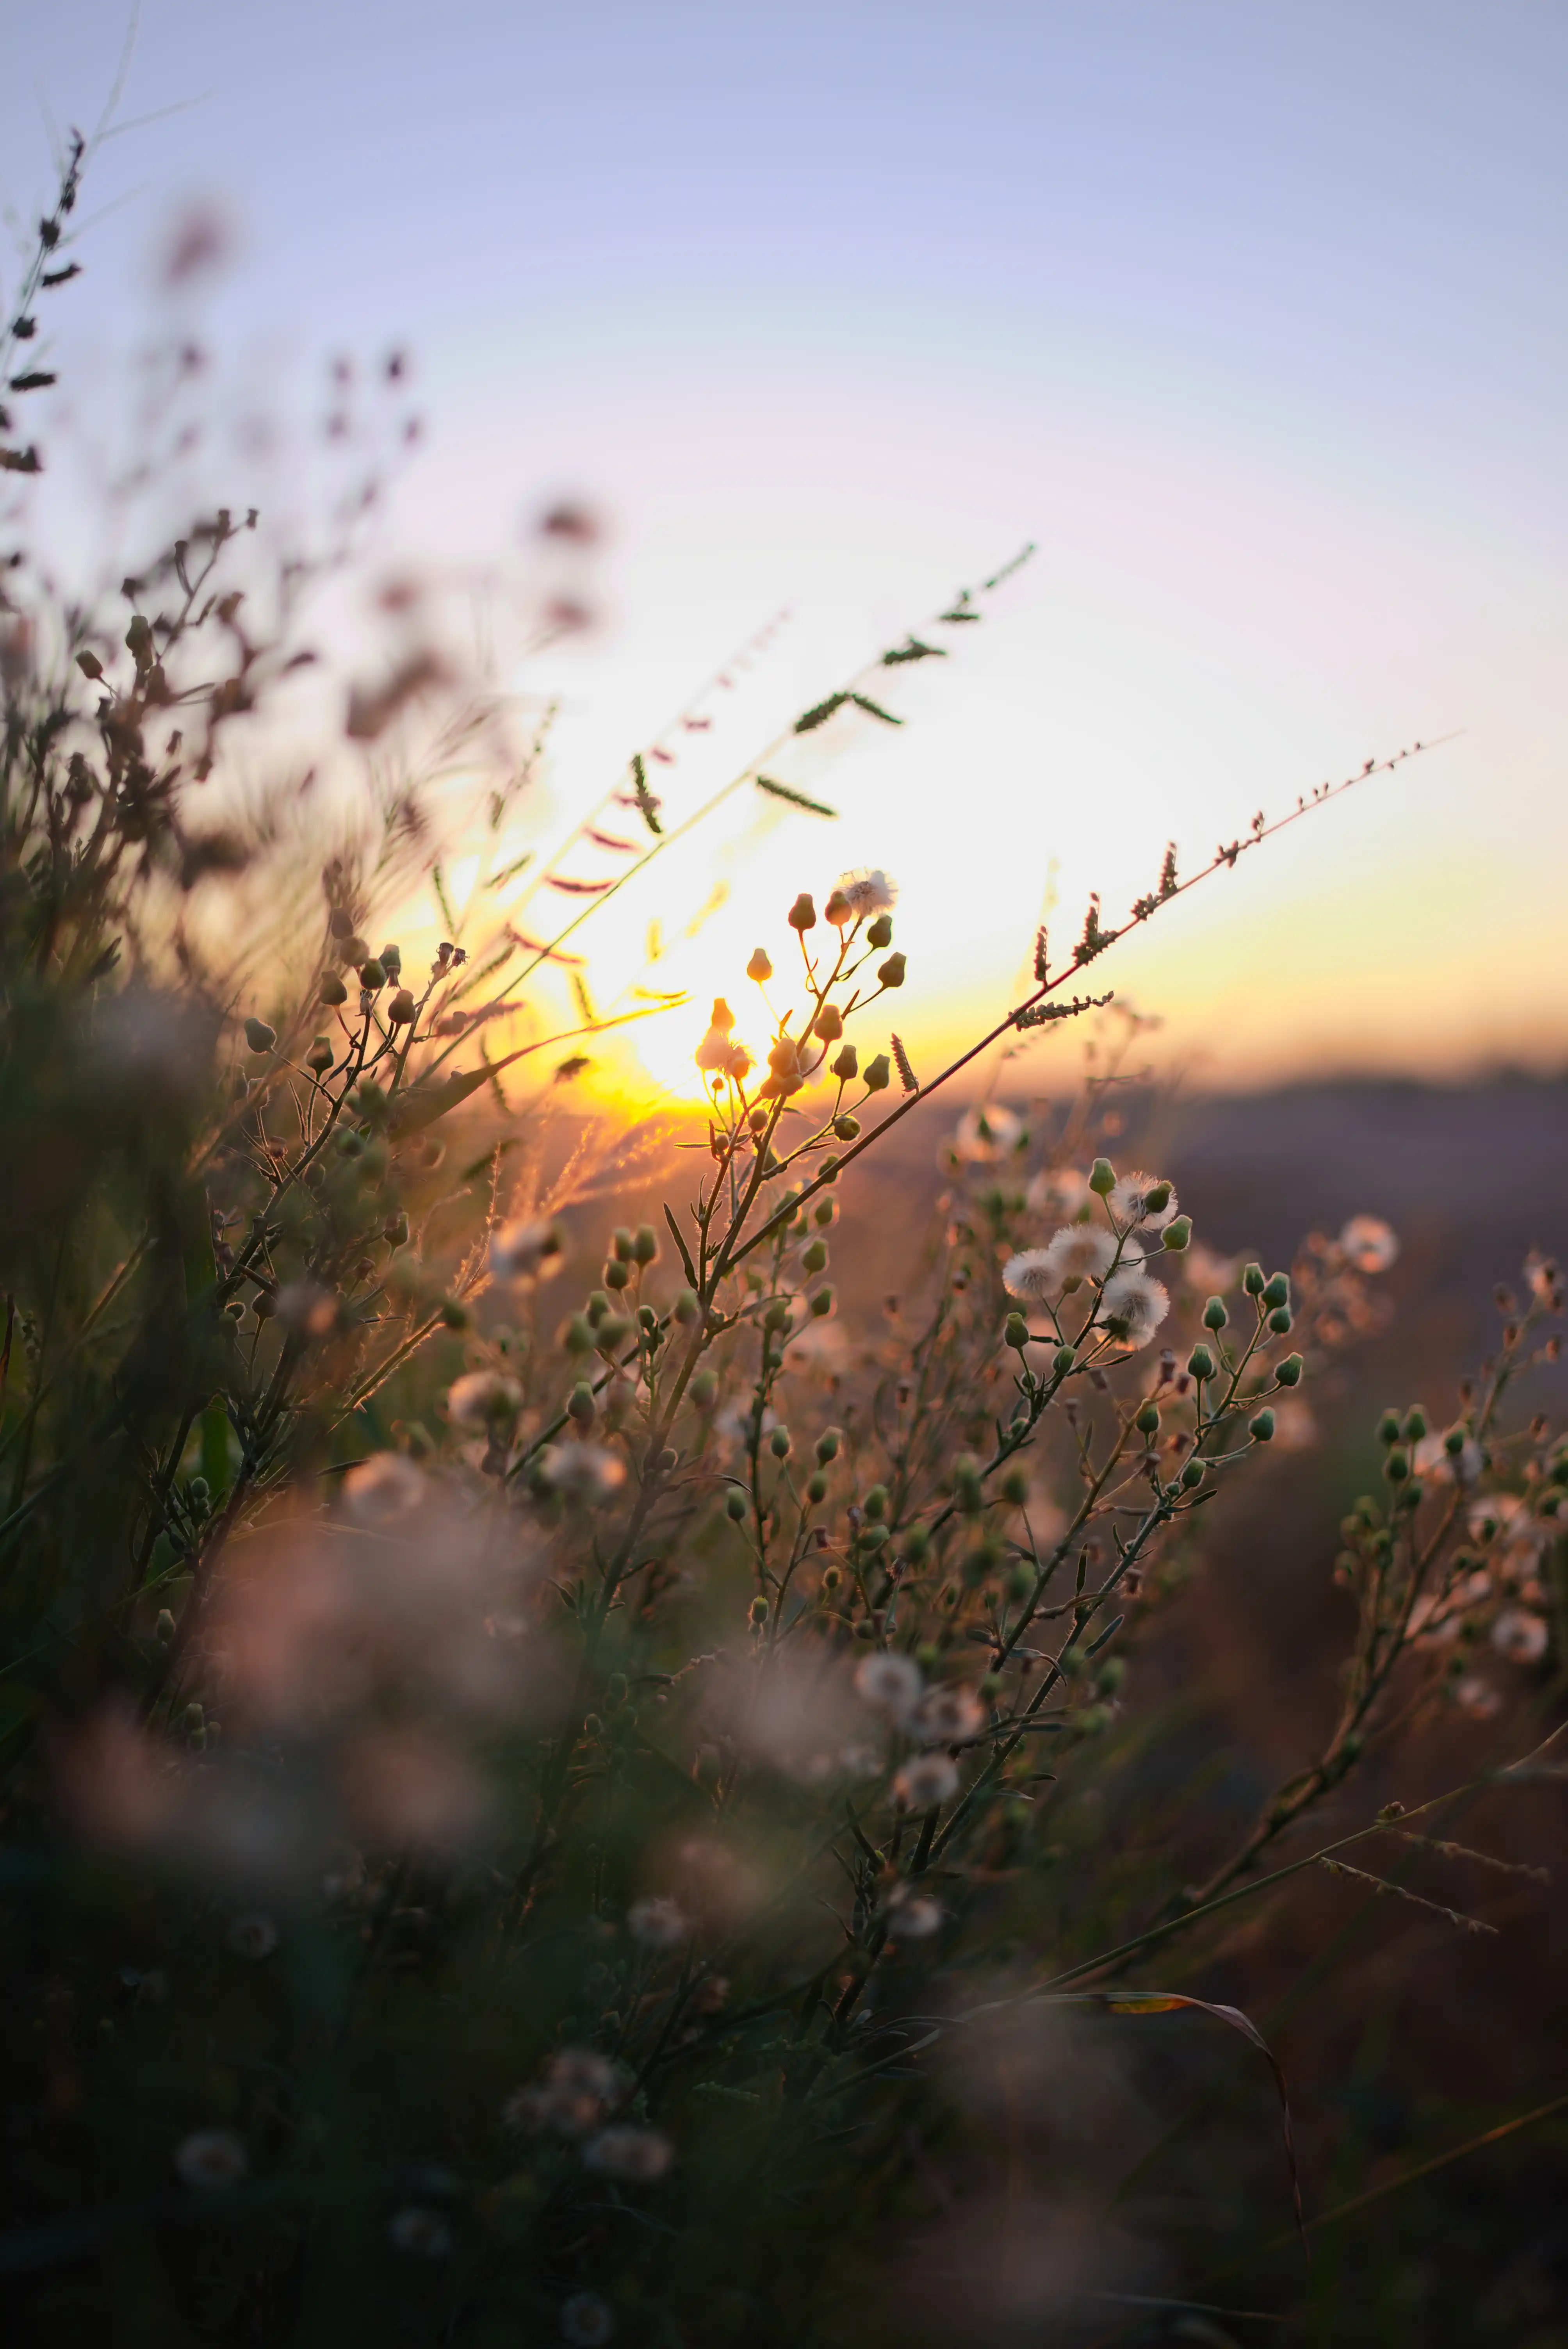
column 1253, row 318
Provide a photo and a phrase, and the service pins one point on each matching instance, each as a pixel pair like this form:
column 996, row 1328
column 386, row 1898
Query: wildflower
column 421, row 2234
column 657, row 1923
column 382, row 1489
column 525, row 1251
column 949, row 1716
column 252, row 1935
column 911, row 1916
column 484, row 1398
column 1519, row 1636
column 1477, row 1697
column 1078, row 1252
column 1369, row 1244
column 856, row 896
column 715, row 1050
column 987, row 1132
column 1134, row 1203
column 1436, row 1458
column 579, row 2088
column 1058, row 1191
column 891, row 1683
column 639, row 2155
column 1132, row 1305
column 586, row 2321
column 925, row 1779
column 588, row 1472
column 210, row 2160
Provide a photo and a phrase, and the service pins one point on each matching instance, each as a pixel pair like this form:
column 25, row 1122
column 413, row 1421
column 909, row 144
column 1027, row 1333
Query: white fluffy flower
column 1058, row 1191
column 925, row 1778
column 1128, row 1203
column 212, row 2158
column 1079, row 1251
column 1369, row 1244
column 382, row 1489
column 911, row 1916
column 252, row 1935
column 949, row 1716
column 1132, row 1305
column 864, row 895
column 483, row 1399
column 891, row 1683
column 657, row 1923
column 1519, row 1636
column 987, row 1132
column 526, row 1251
column 637, row 2155
column 590, row 1472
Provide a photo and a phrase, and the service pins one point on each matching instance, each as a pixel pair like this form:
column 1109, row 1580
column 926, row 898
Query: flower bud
column 320, row 1056
column 1201, row 1363
column 878, row 1074
column 340, row 922
column 759, row 1613
column 1063, row 1360
column 1288, row 1372
column 1253, row 1280
column 847, row 1128
column 577, row 1336
column 1276, row 1289
column 89, row 664
column 759, row 968
column 644, row 1245
column 1260, row 1427
column 815, row 1258
column 396, row 1230
column 371, row 975
column 259, row 1036
column 582, row 1406
column 828, row 1024
column 1177, row 1232
column 1388, row 1428
column 735, row 1504
column 1158, row 1197
column 356, row 949
column 687, row 1306
column 1215, row 1314
column 846, row 1064
column 779, row 1444
column 391, row 960
column 400, row 1011
column 890, row 972
column 802, row 913
column 1192, row 1474
column 1015, row 1332
column 332, row 990
column 828, row 1444
column 1102, row 1178
column 1397, row 1467
column 1148, row 1419
column 703, row 1389
column 1415, row 1423
column 612, row 1331
column 1280, row 1320
column 616, row 1274
column 839, row 910
column 879, row 933
column 163, row 1630
column 821, row 1304
column 620, row 1244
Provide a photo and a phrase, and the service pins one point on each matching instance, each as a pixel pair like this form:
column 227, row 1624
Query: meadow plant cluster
column 547, row 1771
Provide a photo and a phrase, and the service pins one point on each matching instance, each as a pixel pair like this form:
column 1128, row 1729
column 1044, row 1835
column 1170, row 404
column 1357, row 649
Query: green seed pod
column 1415, row 1423
column 890, row 972
column 1015, row 1488
column 1177, row 1234
column 371, row 975
column 1282, row 1321
column 817, row 1489
column 847, row 1128
column 822, row 1303
column 703, row 1389
column 779, row 1444
column 814, row 1258
column 1260, row 1426
column 1215, row 1314
column 1288, row 1372
column 846, row 1064
column 1148, row 1419
column 644, row 1245
column 582, row 1405
column 1015, row 1332
column 1063, row 1361
column 1253, row 1280
column 879, row 933
column 259, row 1036
column 1102, row 1178
column 1276, row 1288
column 802, row 915
column 616, row 1274
column 620, row 1244
column 877, row 1074
column 1397, row 1467
column 735, row 1504
column 1388, row 1428
column 1192, row 1474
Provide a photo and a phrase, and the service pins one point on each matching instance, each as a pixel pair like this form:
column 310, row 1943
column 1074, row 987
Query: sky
column 1252, row 320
